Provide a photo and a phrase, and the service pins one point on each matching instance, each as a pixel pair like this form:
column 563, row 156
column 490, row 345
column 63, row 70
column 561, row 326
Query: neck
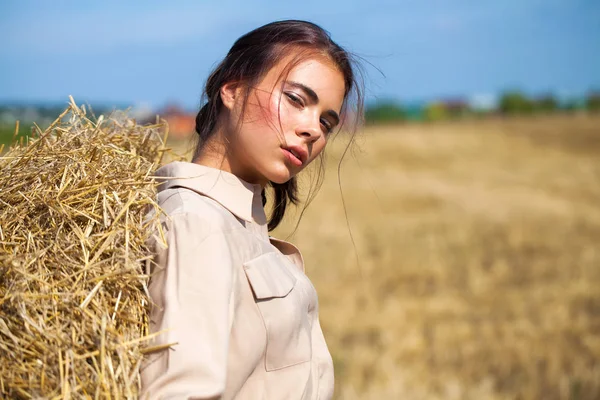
column 215, row 154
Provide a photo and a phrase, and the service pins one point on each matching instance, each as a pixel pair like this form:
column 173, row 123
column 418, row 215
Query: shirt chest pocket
column 284, row 310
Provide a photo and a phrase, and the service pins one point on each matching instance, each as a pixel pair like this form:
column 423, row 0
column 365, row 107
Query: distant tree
column 547, row 104
column 436, row 112
column 569, row 105
column 385, row 112
column 515, row 102
column 7, row 133
column 573, row 104
column 592, row 102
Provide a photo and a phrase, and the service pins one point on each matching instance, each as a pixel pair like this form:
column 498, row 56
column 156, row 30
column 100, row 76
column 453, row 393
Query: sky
column 157, row 52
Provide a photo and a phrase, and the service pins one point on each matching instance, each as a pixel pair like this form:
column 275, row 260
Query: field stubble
column 475, row 268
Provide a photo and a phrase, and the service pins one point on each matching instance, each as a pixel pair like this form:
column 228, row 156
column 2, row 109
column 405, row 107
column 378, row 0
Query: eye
column 327, row 125
column 294, row 98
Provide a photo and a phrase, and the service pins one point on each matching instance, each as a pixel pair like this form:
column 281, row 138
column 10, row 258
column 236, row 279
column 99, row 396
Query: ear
column 230, row 93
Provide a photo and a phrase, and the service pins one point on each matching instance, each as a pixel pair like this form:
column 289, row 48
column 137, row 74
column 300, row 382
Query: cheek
column 265, row 111
column 318, row 148
column 278, row 112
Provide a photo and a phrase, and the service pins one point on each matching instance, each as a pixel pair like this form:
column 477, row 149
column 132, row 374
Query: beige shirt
column 237, row 303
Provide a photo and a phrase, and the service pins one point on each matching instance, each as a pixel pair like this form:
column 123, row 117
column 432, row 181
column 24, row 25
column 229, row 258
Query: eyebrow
column 315, row 99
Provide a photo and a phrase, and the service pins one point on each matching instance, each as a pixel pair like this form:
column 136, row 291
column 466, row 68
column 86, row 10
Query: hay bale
column 73, row 318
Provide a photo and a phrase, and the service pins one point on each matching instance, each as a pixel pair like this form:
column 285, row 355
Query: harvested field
column 473, row 272
column 478, row 247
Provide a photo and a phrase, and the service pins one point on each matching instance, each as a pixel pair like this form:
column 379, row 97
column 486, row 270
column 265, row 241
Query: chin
column 280, row 175
column 281, row 179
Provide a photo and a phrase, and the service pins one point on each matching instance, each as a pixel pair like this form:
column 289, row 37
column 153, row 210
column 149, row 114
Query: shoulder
column 204, row 215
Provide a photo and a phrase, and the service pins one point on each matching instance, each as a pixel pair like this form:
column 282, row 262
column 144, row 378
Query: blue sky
column 154, row 52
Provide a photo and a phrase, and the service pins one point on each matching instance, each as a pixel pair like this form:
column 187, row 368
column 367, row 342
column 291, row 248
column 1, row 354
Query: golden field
column 465, row 263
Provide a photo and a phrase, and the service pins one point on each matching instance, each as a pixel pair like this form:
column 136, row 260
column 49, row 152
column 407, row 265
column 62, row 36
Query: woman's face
column 286, row 122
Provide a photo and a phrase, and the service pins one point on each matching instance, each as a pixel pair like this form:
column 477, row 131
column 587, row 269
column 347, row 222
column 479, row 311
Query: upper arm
column 190, row 289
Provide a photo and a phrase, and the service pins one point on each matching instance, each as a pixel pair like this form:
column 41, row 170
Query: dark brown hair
column 250, row 58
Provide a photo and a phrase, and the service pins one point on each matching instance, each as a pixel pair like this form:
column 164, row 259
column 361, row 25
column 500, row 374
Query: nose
column 310, row 130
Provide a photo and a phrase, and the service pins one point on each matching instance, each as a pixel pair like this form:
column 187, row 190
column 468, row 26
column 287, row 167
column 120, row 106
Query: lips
column 297, row 152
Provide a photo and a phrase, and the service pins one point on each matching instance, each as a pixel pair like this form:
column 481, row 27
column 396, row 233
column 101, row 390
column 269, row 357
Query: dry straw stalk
column 73, row 294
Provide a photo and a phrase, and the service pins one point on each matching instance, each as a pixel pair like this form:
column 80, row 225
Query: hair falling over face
column 270, row 81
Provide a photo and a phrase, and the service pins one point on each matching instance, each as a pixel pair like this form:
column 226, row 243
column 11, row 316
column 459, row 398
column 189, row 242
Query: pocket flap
column 269, row 276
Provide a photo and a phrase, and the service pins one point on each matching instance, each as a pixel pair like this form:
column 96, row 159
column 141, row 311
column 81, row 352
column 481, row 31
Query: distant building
column 483, row 102
column 182, row 124
column 142, row 112
column 415, row 111
column 455, row 107
column 446, row 109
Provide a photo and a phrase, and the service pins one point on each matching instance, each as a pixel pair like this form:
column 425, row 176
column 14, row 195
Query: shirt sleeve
column 191, row 289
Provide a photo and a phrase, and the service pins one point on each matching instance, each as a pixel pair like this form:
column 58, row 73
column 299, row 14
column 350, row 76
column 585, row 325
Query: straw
column 73, row 296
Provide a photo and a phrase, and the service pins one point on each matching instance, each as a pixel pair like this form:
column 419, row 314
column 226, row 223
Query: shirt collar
column 238, row 196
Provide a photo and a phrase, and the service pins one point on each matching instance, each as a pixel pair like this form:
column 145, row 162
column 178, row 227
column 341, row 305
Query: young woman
column 236, row 315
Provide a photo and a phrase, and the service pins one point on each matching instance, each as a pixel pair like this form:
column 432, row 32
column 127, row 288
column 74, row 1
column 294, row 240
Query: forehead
column 318, row 72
